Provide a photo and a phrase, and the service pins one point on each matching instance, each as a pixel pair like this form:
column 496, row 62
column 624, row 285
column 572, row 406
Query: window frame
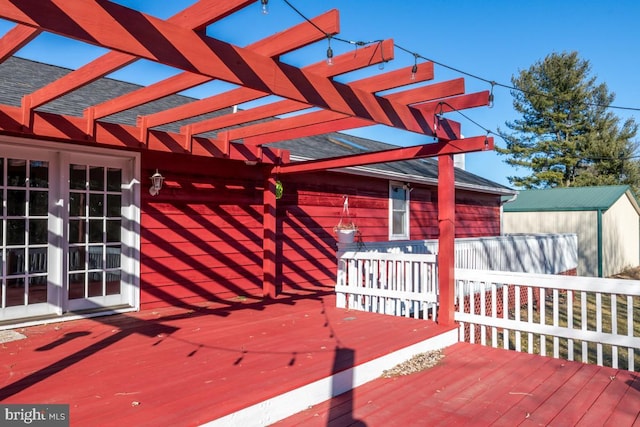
column 395, row 186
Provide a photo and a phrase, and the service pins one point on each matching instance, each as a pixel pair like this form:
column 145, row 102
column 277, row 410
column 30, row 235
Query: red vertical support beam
column 446, row 239
column 269, row 246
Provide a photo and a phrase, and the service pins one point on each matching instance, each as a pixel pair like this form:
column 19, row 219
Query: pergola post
column 446, row 239
column 269, row 246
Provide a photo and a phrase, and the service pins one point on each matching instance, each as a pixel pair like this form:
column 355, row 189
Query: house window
column 398, row 211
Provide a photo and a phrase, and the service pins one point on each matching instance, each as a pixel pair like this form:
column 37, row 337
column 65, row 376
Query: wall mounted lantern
column 156, row 183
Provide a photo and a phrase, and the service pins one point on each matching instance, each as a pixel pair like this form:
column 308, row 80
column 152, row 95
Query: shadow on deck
column 246, row 363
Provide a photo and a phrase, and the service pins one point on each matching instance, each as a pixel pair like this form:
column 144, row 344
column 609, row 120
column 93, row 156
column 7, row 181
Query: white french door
column 69, row 231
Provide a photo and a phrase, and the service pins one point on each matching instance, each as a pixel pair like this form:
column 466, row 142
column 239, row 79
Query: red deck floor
column 178, row 367
column 482, row 386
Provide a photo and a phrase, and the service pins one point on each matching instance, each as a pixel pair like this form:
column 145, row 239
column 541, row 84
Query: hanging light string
column 439, row 110
column 506, row 138
column 417, row 56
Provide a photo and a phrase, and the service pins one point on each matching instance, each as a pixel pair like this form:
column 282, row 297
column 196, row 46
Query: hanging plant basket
column 346, row 230
column 346, row 235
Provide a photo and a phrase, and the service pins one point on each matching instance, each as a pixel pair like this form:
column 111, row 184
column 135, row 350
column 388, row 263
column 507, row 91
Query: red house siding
column 201, row 237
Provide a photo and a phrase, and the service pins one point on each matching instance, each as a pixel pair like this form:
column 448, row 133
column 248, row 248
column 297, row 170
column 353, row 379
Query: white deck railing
column 396, row 284
column 592, row 320
column 531, row 253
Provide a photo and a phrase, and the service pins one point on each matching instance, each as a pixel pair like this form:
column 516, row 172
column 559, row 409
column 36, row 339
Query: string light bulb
column 329, row 51
column 490, row 104
column 414, row 69
column 486, row 141
column 437, row 117
column 265, row 7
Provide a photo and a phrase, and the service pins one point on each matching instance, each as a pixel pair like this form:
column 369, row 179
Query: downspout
column 512, row 199
column 599, row 238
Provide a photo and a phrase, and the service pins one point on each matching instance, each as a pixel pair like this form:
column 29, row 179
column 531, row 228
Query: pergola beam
column 219, row 101
column 467, row 145
column 411, row 96
column 15, row 39
column 342, row 64
column 140, row 35
column 278, row 44
column 195, row 17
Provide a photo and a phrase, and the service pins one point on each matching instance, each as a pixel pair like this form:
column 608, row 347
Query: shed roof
column 569, row 199
column 19, row 77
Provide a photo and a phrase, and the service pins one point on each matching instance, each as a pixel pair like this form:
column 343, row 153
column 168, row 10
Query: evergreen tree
column 567, row 136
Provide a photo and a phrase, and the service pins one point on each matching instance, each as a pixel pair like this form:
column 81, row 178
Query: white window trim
column 405, row 236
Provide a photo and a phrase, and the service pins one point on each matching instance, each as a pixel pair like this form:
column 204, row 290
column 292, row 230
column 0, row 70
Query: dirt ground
column 629, row 273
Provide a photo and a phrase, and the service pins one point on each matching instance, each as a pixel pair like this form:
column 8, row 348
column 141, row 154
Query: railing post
column 446, row 238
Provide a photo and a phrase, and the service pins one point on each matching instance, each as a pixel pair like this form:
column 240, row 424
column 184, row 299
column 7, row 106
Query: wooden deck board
column 187, row 367
column 503, row 388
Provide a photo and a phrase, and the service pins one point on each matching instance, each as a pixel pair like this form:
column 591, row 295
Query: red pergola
column 181, row 42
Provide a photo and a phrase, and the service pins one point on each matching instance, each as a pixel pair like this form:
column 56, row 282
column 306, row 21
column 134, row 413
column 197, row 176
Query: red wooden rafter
column 341, row 64
column 477, row 143
column 411, row 96
column 275, row 45
column 181, row 42
column 241, row 95
column 196, row 17
column 127, row 31
column 15, row 39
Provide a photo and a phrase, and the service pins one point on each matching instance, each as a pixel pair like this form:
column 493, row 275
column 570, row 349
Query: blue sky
column 490, row 39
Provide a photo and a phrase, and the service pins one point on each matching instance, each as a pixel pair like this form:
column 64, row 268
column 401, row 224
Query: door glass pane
column 95, row 257
column 77, row 204
column 38, row 260
column 15, row 292
column 113, row 283
column 113, row 205
column 15, row 231
column 113, row 256
column 16, row 202
column 37, row 289
column 77, row 257
column 38, row 232
column 76, row 285
column 96, row 178
column 95, row 230
column 96, row 205
column 39, row 174
column 17, row 173
column 113, row 231
column 114, row 179
column 76, row 230
column 95, row 284
column 77, row 177
column 38, row 203
column 2, row 171
column 15, row 261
